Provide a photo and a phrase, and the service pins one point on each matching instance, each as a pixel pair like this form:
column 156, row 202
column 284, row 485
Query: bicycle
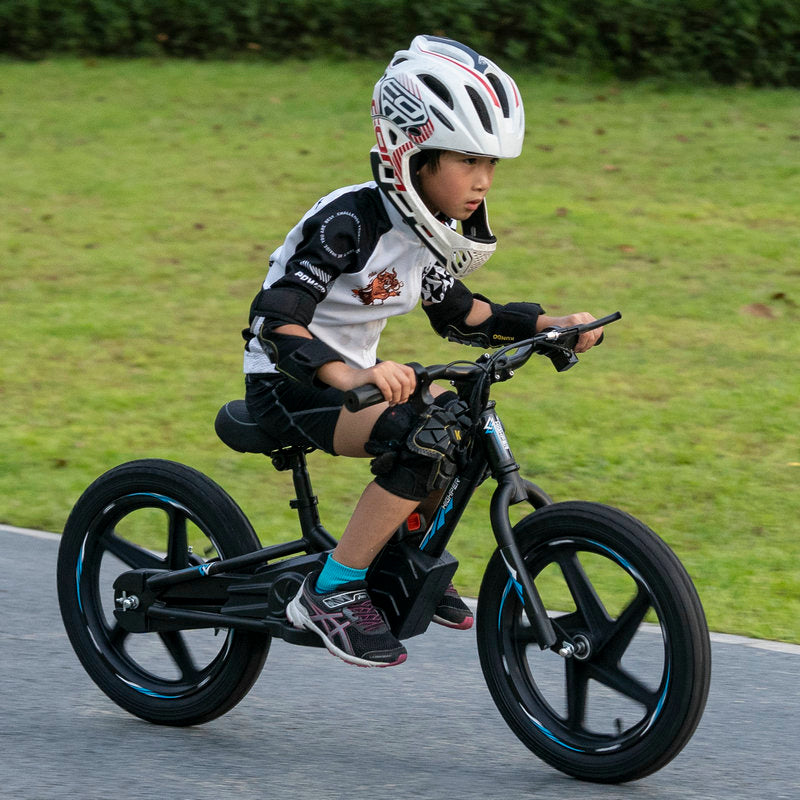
column 609, row 687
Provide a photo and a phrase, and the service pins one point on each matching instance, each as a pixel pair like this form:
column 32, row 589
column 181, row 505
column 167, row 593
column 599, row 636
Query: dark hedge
column 728, row 41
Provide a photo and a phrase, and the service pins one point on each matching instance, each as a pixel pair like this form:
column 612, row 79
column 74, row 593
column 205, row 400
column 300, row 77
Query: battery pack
column 407, row 585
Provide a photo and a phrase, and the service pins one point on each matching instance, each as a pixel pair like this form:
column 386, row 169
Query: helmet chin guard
column 440, row 94
column 458, row 253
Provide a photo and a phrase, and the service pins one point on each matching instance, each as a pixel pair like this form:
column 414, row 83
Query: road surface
column 314, row 728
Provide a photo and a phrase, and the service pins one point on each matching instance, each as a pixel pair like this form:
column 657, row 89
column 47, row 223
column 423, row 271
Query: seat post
column 236, row 427
column 306, row 504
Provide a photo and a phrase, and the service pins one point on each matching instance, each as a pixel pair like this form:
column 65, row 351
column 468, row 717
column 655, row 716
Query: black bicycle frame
column 243, row 592
column 495, row 453
column 407, row 579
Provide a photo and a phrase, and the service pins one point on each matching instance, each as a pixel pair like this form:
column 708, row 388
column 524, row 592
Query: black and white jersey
column 354, row 254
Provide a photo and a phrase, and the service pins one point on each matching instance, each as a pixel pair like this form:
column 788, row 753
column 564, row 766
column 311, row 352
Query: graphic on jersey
column 436, row 283
column 340, row 234
column 383, row 285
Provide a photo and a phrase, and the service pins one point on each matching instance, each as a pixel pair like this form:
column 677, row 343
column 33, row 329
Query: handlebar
column 556, row 343
column 370, row 395
column 362, row 397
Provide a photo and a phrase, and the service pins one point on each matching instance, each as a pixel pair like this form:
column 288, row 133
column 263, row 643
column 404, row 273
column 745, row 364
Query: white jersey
column 362, row 263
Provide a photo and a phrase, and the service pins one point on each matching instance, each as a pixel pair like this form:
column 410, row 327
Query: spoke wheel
column 155, row 514
column 623, row 689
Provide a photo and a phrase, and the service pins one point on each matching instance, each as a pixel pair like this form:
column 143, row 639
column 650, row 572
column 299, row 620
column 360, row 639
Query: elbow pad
column 283, row 305
column 295, row 356
column 509, row 323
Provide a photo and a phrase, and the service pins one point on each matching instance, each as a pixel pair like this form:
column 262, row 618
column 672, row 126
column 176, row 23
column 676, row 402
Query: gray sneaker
column 347, row 622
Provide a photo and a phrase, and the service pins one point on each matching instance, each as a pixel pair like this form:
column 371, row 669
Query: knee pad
column 392, row 466
column 416, row 453
column 406, row 475
column 391, row 429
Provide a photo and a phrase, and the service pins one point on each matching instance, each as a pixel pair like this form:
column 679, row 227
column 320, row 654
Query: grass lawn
column 140, row 201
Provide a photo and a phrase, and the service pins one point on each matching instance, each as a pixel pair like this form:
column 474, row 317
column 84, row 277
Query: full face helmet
column 440, row 94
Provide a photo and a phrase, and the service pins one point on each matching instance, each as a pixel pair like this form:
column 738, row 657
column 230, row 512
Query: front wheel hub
column 579, row 648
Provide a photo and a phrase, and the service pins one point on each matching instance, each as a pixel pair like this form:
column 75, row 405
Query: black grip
column 362, row 397
column 599, row 323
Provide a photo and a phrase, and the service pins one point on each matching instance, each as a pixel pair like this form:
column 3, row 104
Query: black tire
column 629, row 700
column 170, row 678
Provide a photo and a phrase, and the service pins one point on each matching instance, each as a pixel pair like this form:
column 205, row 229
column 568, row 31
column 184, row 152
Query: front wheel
column 624, row 687
column 155, row 514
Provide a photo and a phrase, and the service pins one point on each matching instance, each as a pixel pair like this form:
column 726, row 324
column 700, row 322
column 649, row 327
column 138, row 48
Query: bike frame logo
column 494, row 427
column 445, row 506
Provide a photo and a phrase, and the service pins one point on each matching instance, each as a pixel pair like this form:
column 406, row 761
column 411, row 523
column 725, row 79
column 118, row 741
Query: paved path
column 314, row 728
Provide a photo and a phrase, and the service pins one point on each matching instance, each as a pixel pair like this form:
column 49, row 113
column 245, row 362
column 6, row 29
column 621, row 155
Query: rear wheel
column 154, row 514
column 629, row 687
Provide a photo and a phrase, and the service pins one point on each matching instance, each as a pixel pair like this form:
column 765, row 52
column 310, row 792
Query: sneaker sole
column 296, row 614
column 459, row 626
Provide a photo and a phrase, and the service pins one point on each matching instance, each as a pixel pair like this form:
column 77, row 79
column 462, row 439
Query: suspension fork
column 511, row 489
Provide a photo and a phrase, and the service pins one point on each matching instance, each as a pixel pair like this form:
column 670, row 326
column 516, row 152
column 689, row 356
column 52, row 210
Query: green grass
column 139, row 203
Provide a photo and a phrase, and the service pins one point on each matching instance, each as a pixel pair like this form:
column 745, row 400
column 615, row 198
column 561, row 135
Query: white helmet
column 440, row 94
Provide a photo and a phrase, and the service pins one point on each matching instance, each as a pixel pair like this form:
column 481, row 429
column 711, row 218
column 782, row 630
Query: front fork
column 512, row 489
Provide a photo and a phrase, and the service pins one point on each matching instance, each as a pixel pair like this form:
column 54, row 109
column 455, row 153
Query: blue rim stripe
column 633, row 572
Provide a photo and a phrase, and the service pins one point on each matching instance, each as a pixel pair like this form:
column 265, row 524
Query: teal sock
column 335, row 574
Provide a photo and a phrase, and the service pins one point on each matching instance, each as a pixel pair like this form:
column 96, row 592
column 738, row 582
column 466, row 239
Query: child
column 443, row 117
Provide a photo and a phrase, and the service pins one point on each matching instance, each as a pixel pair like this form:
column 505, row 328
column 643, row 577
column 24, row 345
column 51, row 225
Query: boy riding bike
column 443, row 117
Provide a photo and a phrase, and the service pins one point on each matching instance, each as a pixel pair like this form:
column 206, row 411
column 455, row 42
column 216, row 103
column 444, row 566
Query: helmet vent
column 501, row 94
column 480, row 108
column 442, row 118
column 438, row 88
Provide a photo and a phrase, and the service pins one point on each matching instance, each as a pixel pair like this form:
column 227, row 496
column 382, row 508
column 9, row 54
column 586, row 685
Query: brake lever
column 559, row 344
column 563, row 358
column 422, row 397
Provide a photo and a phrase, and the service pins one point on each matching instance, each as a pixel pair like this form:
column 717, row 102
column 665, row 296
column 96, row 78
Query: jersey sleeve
column 333, row 238
column 329, row 244
column 436, row 283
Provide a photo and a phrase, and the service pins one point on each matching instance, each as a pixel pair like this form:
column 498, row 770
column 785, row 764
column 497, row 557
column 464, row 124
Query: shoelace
column 366, row 615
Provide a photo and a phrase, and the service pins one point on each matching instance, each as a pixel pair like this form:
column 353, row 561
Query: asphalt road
column 313, row 727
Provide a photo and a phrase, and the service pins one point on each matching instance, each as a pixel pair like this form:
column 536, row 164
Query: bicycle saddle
column 241, row 432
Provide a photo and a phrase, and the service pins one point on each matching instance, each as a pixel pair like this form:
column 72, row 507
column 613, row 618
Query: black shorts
column 294, row 413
